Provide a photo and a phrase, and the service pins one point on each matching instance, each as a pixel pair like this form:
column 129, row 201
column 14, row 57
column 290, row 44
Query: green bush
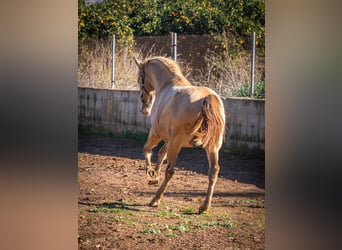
column 259, row 90
column 105, row 19
column 126, row 18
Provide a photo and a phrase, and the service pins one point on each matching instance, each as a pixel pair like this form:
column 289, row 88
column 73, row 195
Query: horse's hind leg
column 161, row 158
column 172, row 153
column 213, row 171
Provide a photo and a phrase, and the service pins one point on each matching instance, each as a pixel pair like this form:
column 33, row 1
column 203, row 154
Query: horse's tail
column 213, row 126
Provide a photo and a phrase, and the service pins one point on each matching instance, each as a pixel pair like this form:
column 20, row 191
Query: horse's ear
column 137, row 62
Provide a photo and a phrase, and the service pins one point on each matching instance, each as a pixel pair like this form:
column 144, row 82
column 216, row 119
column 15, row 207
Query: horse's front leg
column 152, row 141
column 171, row 152
column 161, row 158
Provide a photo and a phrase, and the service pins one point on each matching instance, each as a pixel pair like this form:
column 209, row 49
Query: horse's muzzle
column 145, row 112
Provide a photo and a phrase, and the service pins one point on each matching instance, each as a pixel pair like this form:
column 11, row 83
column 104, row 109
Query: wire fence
column 202, row 63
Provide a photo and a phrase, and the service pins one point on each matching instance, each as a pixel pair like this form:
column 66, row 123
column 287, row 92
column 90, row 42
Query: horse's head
column 146, row 90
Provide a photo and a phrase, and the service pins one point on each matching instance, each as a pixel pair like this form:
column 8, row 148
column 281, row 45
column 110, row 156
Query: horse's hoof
column 152, row 182
column 154, row 203
column 203, row 210
column 151, row 173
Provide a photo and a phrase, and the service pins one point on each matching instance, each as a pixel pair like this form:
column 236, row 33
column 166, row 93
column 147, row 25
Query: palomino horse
column 182, row 115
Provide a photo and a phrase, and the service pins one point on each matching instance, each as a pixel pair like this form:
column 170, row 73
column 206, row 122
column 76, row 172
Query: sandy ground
column 114, row 194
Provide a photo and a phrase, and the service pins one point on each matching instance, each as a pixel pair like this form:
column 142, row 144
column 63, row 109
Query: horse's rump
column 209, row 127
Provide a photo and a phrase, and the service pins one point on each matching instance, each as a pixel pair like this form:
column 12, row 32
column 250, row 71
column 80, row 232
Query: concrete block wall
column 246, row 125
column 117, row 111
column 114, row 111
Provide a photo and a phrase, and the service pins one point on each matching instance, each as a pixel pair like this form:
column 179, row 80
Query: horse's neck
column 161, row 80
column 172, row 82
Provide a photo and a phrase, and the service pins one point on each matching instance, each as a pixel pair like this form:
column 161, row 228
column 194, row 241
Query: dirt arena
column 114, row 193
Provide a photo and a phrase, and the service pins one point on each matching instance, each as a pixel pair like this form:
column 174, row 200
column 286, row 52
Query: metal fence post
column 174, row 46
column 252, row 65
column 113, row 61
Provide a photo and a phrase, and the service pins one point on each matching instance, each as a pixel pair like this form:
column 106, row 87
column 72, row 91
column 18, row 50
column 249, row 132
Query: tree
column 126, row 18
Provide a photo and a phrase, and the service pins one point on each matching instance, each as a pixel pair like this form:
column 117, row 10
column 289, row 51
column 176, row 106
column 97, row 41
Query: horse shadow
column 121, row 205
column 235, row 167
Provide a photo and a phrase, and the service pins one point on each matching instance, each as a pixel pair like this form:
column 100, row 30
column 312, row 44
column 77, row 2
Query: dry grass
column 95, row 66
column 224, row 74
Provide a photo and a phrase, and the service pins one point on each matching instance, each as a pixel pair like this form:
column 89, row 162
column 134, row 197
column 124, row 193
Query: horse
column 182, row 115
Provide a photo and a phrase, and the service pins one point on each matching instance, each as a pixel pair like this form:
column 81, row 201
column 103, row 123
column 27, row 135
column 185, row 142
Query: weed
column 136, row 136
column 111, row 219
column 232, row 235
column 209, row 216
column 164, row 214
column 259, row 90
column 132, row 223
column 100, row 209
column 170, row 234
column 248, row 235
column 225, row 215
column 90, row 219
column 151, row 231
column 183, row 227
column 189, row 210
column 178, row 215
column 86, row 130
column 169, row 231
column 82, row 209
column 205, row 224
column 123, row 203
column 110, row 238
column 227, row 224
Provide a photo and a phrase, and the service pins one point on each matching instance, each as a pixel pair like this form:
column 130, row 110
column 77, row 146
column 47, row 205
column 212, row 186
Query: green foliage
column 151, row 231
column 103, row 209
column 105, row 19
column 86, row 130
column 126, row 18
column 259, row 90
column 136, row 136
column 230, row 24
column 205, row 224
column 189, row 210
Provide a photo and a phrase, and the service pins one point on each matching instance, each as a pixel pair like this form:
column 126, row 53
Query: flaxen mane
column 169, row 64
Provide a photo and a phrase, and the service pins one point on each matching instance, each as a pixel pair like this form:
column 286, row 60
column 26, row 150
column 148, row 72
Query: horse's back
column 187, row 101
column 180, row 114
